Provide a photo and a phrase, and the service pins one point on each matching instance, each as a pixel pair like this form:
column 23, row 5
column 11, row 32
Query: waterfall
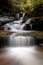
column 16, row 25
column 28, row 21
column 21, row 41
column 17, row 15
column 12, row 27
column 22, row 26
column 21, row 18
column 27, row 25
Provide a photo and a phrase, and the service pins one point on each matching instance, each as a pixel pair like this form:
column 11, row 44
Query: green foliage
column 30, row 7
column 21, row 5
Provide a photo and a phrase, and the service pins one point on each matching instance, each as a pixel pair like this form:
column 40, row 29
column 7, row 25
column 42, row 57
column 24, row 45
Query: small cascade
column 28, row 21
column 16, row 25
column 17, row 22
column 21, row 18
column 17, row 16
column 12, row 27
column 21, row 41
column 27, row 25
column 22, row 26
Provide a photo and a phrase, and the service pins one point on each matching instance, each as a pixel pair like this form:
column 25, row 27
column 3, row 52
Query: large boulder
column 27, row 27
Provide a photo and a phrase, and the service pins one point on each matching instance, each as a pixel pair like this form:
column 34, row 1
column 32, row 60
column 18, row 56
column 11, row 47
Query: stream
column 18, row 28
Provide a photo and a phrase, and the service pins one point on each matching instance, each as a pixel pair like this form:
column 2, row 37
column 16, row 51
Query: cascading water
column 21, row 18
column 27, row 25
column 15, row 25
column 19, row 28
column 22, row 41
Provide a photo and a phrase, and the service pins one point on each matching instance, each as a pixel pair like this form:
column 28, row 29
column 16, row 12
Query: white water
column 17, row 27
column 21, row 41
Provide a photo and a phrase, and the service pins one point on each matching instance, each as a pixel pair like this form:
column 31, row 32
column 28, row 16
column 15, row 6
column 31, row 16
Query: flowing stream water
column 16, row 26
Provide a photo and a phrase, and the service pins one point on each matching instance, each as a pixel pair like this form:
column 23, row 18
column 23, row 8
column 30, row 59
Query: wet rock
column 27, row 27
column 34, row 24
